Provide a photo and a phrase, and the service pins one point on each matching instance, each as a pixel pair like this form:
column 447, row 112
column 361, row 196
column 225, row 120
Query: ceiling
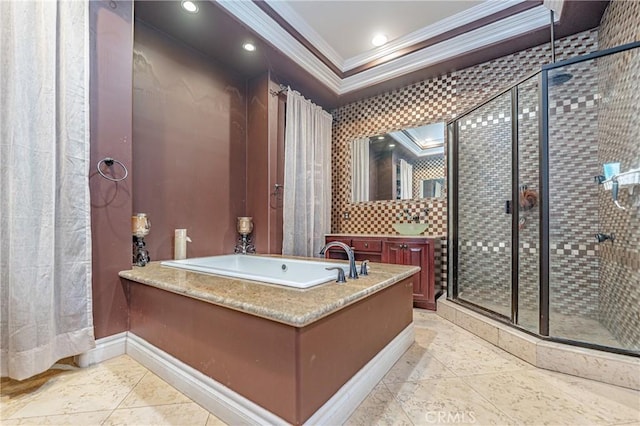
column 323, row 48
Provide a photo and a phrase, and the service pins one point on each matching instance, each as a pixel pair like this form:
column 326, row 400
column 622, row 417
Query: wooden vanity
column 398, row 250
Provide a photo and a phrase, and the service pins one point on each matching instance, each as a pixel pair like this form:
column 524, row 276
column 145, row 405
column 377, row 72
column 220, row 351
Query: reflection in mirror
column 431, row 188
column 399, row 165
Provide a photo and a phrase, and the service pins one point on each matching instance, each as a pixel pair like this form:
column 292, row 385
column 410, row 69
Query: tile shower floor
column 448, row 376
column 566, row 326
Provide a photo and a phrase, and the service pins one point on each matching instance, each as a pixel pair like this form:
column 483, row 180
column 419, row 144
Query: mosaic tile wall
column 429, row 101
column 528, row 166
column 428, row 168
column 484, row 230
column 619, row 136
column 573, row 207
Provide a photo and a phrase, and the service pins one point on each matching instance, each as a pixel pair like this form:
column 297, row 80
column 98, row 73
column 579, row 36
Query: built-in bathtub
column 296, row 273
column 267, row 354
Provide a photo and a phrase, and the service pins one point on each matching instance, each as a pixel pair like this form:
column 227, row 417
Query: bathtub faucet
column 353, row 273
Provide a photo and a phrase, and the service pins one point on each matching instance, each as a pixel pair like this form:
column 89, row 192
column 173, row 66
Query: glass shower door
column 484, row 206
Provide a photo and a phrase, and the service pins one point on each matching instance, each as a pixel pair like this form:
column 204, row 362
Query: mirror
column 399, row 165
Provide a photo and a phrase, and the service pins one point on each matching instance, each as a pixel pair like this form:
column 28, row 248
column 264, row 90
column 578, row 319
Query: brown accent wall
column 287, row 370
column 111, row 25
column 265, row 161
column 189, row 129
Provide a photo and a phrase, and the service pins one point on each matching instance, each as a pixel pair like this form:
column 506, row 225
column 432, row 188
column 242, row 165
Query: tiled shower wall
column 619, row 141
column 429, row 101
column 485, row 185
column 484, row 228
column 573, row 217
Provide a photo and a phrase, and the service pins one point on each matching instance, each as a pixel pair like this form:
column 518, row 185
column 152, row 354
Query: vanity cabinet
column 364, row 248
column 401, row 251
column 414, row 251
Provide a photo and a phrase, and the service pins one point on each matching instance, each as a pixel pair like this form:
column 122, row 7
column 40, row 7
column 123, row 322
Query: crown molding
column 296, row 21
column 506, row 28
column 256, row 19
column 450, row 23
column 260, row 22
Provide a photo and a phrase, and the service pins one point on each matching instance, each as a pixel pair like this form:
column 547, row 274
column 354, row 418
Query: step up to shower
column 606, row 367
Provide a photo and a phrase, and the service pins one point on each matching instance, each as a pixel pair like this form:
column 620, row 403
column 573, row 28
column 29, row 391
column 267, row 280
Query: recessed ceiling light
column 189, row 6
column 391, row 145
column 249, row 47
column 380, row 137
column 379, row 40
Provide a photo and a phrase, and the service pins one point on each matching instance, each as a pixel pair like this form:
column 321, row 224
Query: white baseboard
column 226, row 404
column 232, row 407
column 340, row 406
column 106, row 348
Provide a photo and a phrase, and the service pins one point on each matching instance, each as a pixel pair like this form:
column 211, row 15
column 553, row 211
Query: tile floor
column 448, row 376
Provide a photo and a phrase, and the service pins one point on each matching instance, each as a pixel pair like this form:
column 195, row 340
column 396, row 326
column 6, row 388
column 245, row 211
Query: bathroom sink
column 410, row 228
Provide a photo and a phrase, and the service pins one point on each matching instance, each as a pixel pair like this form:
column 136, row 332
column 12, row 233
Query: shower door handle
column 507, row 206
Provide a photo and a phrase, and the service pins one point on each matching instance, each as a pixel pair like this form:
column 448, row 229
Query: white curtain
column 307, row 177
column 406, row 180
column 360, row 170
column 45, row 248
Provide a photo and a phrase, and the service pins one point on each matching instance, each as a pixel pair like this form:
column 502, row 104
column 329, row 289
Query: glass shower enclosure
column 539, row 237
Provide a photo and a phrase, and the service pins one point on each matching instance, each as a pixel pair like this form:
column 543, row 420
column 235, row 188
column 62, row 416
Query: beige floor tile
column 431, row 319
column 12, row 404
column 152, row 390
column 75, row 399
column 446, row 401
column 624, row 403
column 214, row 421
column 96, row 388
column 16, row 394
column 175, row 414
column 81, row 419
column 536, row 398
column 416, row 364
column 379, row 408
column 470, row 357
column 122, row 369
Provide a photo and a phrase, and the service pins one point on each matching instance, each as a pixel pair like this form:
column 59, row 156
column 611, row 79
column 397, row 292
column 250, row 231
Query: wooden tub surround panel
column 287, row 369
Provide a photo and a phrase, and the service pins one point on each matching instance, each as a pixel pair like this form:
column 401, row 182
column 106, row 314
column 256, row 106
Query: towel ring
column 108, row 161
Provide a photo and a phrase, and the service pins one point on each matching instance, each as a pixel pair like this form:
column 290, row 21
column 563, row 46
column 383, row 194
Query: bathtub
column 296, row 273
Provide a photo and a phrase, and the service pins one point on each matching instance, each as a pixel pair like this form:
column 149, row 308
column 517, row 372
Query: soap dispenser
column 180, row 244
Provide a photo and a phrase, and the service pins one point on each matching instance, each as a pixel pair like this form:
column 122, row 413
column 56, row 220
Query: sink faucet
column 353, row 273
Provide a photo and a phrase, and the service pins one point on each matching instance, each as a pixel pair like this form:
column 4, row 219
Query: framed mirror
column 399, row 165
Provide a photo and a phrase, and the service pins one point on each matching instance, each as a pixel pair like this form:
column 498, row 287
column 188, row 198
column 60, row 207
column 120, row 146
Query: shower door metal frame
column 453, row 214
column 544, row 243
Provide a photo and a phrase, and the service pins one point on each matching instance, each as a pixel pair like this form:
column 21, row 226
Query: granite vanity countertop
column 295, row 307
column 437, row 237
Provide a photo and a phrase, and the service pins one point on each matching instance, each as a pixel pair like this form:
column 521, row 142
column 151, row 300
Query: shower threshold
column 578, row 361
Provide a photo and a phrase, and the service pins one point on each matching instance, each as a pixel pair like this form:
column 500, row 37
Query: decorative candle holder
column 245, row 227
column 140, row 227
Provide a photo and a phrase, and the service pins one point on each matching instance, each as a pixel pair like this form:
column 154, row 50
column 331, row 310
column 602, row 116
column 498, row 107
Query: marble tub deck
column 291, row 306
column 448, row 376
